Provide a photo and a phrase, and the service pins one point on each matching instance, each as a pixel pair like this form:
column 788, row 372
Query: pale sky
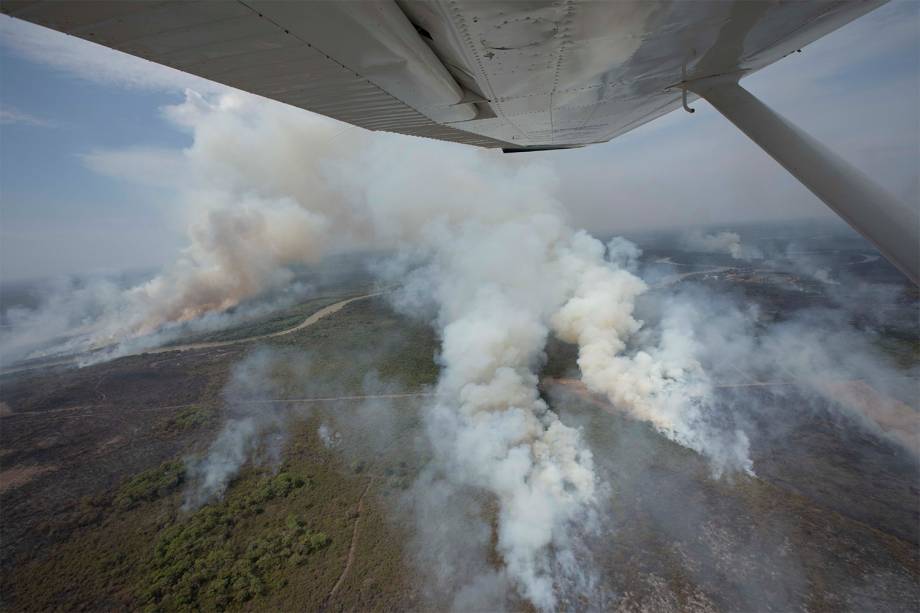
column 64, row 100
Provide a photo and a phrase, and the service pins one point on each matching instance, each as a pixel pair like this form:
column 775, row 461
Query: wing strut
column 893, row 227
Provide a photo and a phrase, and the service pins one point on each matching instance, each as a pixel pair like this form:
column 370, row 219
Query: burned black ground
column 94, row 476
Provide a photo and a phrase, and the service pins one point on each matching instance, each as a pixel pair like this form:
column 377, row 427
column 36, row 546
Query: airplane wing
column 520, row 75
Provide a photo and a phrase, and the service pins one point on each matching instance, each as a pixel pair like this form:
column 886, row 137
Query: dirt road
column 309, row 321
column 354, row 543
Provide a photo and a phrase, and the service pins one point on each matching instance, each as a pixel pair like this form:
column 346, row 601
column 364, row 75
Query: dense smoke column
column 488, row 428
column 655, row 378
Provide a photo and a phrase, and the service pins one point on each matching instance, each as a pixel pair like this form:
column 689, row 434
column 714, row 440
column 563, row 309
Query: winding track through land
column 351, row 548
column 672, row 279
column 309, row 321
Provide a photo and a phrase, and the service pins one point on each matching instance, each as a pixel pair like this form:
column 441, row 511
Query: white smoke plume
column 720, row 242
column 483, row 250
column 269, row 186
column 329, row 437
column 463, row 222
column 662, row 383
column 67, row 315
column 253, row 429
column 815, row 352
column 489, row 428
column 499, row 268
column 237, row 441
column 467, row 230
column 257, row 201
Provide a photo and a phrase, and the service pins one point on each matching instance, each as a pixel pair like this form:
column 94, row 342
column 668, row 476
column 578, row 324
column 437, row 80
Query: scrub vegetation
column 187, row 419
column 199, row 563
column 322, row 521
column 113, row 532
column 150, row 485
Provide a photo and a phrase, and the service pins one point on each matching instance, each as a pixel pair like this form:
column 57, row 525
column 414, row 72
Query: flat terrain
column 75, row 440
column 94, row 476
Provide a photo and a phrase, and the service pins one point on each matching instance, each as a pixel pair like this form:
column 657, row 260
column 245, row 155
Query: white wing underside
column 509, row 74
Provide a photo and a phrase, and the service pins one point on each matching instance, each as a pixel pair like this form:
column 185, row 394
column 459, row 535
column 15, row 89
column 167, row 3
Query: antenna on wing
column 683, row 85
column 683, row 91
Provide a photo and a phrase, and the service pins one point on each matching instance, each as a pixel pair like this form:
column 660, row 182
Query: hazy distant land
column 97, row 482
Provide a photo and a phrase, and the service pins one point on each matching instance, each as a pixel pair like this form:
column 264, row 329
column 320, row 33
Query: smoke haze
column 483, row 251
column 720, row 242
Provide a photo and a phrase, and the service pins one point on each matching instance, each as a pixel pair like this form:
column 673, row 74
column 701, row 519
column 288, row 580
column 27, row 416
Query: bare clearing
column 18, row 476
